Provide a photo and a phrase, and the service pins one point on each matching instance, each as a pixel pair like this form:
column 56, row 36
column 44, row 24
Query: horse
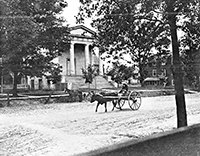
column 101, row 100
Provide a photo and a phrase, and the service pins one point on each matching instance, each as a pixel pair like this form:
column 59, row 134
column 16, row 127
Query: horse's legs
column 105, row 106
column 114, row 105
column 97, row 106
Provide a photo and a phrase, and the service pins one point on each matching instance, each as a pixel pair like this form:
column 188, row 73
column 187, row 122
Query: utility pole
column 2, row 74
column 2, row 10
column 177, row 68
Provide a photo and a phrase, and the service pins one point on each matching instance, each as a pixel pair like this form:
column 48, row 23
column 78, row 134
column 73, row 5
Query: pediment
column 82, row 31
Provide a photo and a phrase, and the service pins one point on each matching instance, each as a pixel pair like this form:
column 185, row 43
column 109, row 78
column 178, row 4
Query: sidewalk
column 25, row 97
column 179, row 142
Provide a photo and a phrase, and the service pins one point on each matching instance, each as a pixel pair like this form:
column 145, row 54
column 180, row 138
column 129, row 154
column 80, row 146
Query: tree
column 32, row 35
column 167, row 13
column 120, row 72
column 190, row 42
column 120, row 32
column 89, row 74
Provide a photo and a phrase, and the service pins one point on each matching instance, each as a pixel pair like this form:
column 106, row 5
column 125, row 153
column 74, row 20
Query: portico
column 80, row 54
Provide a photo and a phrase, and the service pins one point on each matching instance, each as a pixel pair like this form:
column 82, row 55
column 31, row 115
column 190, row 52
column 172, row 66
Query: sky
column 71, row 11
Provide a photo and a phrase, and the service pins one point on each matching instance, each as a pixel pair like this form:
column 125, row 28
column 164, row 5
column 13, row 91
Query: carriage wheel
column 134, row 100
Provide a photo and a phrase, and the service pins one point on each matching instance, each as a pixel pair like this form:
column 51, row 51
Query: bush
column 74, row 96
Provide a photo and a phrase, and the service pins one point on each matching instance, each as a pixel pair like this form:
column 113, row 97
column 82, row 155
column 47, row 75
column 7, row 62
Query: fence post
column 8, row 100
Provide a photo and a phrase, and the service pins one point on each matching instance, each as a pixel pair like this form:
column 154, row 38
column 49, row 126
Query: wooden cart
column 133, row 98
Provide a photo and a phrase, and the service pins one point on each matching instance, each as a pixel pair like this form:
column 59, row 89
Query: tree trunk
column 141, row 71
column 177, row 74
column 95, row 83
column 15, row 85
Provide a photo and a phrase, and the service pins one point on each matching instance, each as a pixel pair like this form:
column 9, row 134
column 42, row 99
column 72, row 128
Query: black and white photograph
column 99, row 77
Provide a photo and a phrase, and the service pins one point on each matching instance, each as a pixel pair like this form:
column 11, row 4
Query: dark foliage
column 32, row 35
column 90, row 73
column 120, row 72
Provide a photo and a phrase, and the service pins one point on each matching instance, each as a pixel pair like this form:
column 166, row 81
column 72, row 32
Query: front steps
column 77, row 82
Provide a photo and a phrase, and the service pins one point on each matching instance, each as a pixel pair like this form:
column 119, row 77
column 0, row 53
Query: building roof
column 81, row 31
column 82, row 27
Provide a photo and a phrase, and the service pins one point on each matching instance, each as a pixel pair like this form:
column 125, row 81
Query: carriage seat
column 109, row 93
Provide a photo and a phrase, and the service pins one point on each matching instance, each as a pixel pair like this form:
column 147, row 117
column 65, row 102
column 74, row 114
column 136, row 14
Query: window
column 154, row 72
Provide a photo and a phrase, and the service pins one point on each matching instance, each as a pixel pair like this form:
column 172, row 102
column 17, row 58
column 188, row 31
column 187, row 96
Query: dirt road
column 71, row 128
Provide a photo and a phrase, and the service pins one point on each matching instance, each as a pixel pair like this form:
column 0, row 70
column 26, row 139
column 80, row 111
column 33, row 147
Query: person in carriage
column 124, row 89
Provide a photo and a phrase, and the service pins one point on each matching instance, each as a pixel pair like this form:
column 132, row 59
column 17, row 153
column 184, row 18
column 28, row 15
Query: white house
column 80, row 55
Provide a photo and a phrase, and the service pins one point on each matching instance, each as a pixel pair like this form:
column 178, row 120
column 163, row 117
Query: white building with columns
column 81, row 52
column 79, row 56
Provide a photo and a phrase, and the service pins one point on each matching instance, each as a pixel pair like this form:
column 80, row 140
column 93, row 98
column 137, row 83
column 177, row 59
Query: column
column 92, row 58
column 101, row 66
column 87, row 55
column 72, row 66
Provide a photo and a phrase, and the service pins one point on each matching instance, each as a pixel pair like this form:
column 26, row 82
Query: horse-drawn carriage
column 133, row 99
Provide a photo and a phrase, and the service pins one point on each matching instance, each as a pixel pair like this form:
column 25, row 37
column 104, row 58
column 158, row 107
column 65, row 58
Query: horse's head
column 90, row 96
column 92, row 99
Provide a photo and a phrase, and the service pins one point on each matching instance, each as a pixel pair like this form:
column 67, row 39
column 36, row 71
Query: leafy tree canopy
column 136, row 26
column 122, row 29
column 190, row 48
column 32, row 35
column 120, row 72
column 89, row 73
